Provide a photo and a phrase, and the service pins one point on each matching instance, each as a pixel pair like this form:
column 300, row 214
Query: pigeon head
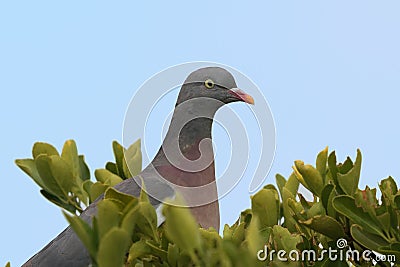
column 214, row 83
column 202, row 93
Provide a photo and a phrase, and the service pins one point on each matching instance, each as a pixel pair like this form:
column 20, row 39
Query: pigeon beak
column 242, row 96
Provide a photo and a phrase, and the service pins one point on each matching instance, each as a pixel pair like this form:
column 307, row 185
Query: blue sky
column 329, row 70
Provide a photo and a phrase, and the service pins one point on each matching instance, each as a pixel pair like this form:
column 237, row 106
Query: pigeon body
column 184, row 164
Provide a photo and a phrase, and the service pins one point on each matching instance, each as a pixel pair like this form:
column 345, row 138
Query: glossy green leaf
column 138, row 249
column 238, row 235
column 108, row 216
column 367, row 200
column 265, row 205
column 133, row 160
column 284, row 239
column 309, row 177
column 84, row 169
column 84, row 232
column 326, row 192
column 173, row 255
column 280, row 182
column 253, row 239
column 187, row 236
column 392, row 252
column 96, row 190
column 290, row 222
column 368, row 240
column 112, row 167
column 130, row 216
column 326, row 225
column 87, row 185
column 116, row 195
column 148, row 222
column 29, row 167
column 113, row 248
column 55, row 174
column 316, row 209
column 346, row 206
column 292, row 184
column 321, row 162
column 54, row 199
column 70, row 155
column 349, row 181
column 119, row 158
column 397, row 201
column 40, row 148
column 107, row 177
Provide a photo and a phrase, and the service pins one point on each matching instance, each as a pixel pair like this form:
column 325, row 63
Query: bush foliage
column 125, row 233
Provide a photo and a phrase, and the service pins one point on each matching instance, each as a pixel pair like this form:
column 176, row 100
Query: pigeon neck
column 189, row 136
column 190, row 128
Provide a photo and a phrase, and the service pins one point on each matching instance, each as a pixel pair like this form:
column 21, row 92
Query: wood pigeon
column 184, row 163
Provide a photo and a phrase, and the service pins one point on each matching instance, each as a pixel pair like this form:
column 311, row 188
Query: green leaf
column 173, row 255
column 368, row 240
column 389, row 186
column 107, row 177
column 116, row 195
column 181, row 227
column 292, row 184
column 138, row 249
column 333, row 171
column 112, row 248
column 84, row 169
column 55, row 174
column 284, row 239
column 309, row 177
column 108, row 216
column 253, row 239
column 346, row 206
column 384, row 220
column 148, row 219
column 96, row 190
column 119, row 158
column 397, row 201
column 156, row 250
column 130, row 216
column 316, row 209
column 325, row 225
column 392, row 251
column 239, row 234
column 84, row 232
column 349, row 181
column 40, row 148
column 87, row 185
column 29, row 167
column 52, row 198
column 265, row 205
column 132, row 165
column 346, row 166
column 280, row 182
column 326, row 192
column 112, row 167
column 289, row 222
column 70, row 155
column 367, row 200
column 321, row 162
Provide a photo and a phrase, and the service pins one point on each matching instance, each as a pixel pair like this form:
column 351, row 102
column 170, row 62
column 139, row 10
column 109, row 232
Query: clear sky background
column 330, row 71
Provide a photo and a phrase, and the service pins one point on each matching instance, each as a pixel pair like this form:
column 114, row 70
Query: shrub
column 281, row 223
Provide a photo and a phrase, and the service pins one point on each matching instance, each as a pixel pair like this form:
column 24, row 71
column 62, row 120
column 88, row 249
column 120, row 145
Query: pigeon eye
column 209, row 83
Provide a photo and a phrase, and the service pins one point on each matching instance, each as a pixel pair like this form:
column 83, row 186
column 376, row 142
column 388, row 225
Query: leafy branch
column 124, row 232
